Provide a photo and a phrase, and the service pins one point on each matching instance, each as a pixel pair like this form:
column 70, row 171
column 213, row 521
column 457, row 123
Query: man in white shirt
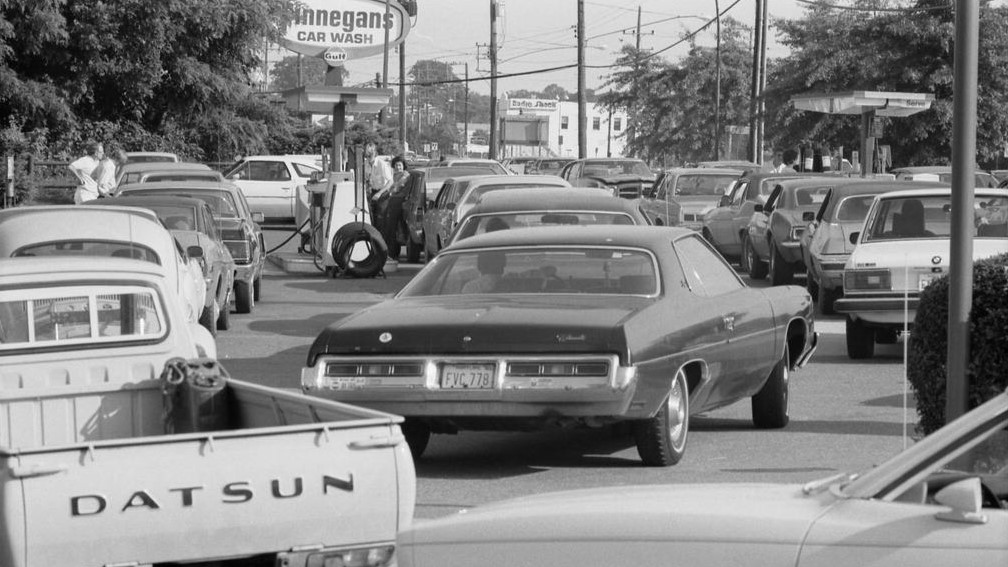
column 83, row 169
column 105, row 173
column 380, row 180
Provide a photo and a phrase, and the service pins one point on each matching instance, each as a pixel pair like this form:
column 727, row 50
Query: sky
column 539, row 34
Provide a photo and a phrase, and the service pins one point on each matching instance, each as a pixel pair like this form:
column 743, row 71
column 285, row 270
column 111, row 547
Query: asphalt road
column 845, row 415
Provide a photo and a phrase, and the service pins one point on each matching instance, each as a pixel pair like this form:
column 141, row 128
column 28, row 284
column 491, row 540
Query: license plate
column 345, row 382
column 471, row 376
column 924, row 281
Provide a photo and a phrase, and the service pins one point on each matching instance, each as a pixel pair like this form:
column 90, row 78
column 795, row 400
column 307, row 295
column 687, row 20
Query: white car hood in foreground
column 709, row 524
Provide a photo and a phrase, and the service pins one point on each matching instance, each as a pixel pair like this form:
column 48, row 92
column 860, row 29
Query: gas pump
column 341, row 237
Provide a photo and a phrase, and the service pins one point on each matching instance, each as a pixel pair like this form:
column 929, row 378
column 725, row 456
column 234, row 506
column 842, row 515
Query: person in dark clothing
column 790, row 160
column 394, row 208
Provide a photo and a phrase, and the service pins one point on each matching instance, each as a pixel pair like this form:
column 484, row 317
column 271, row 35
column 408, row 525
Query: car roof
column 922, row 169
column 26, row 225
column 193, row 185
column 940, row 192
column 71, row 267
column 550, row 198
column 857, row 185
column 182, row 171
column 638, row 236
column 165, row 166
column 703, row 171
column 154, row 200
column 607, row 159
column 548, row 180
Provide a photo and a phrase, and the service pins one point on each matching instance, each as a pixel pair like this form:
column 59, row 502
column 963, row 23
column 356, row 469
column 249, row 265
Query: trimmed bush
column 987, row 371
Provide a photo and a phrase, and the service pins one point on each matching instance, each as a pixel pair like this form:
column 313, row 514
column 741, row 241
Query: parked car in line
column 156, row 175
column 776, row 226
column 682, row 196
column 548, row 166
column 624, row 177
column 101, row 231
column 725, row 225
column 238, row 227
column 132, row 172
column 747, row 167
column 940, row 503
column 903, row 246
column 546, row 206
column 825, row 243
column 493, row 165
column 557, row 326
column 192, row 224
column 271, row 183
column 460, row 194
column 942, row 173
column 519, row 164
column 146, row 157
column 434, row 177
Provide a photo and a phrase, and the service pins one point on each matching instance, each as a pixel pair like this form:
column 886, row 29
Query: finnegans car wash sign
column 356, row 27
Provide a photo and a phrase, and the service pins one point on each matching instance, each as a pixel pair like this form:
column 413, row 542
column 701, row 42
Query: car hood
column 738, row 513
column 460, row 324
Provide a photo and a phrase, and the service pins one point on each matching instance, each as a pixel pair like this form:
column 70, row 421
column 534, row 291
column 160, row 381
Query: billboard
column 533, row 104
column 345, row 29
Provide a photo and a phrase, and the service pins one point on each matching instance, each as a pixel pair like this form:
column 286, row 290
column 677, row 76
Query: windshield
column 478, row 224
column 621, row 167
column 538, row 270
column 930, row 216
column 710, row 185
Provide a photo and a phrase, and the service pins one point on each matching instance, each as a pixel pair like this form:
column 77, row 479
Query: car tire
column 244, row 297
column 661, row 440
column 412, row 251
column 860, row 340
column 417, row 436
column 826, row 300
column 257, row 288
column 208, row 319
column 886, row 336
column 770, row 406
column 758, row 269
column 781, row 272
column 744, row 258
column 224, row 318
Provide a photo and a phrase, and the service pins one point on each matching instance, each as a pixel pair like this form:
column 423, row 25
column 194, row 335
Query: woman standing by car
column 394, row 208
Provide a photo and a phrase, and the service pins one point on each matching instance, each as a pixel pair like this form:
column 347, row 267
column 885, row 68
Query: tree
column 905, row 51
column 312, row 72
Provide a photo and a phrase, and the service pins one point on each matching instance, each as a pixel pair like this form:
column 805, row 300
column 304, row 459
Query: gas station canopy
column 320, row 99
column 860, row 102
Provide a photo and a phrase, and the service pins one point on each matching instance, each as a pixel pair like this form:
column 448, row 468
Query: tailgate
column 226, row 494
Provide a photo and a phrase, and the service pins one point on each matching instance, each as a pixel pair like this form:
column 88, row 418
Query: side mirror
column 854, row 237
column 723, row 201
column 429, row 204
column 808, row 216
column 195, row 251
column 450, row 206
column 966, row 500
column 758, row 208
column 258, row 217
column 316, row 176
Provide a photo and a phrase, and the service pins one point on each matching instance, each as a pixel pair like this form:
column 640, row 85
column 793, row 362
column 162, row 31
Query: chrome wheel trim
column 677, row 409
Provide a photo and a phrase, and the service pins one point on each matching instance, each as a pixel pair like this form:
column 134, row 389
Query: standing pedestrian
column 105, row 173
column 394, row 207
column 790, row 161
column 778, row 161
column 83, row 169
column 380, row 181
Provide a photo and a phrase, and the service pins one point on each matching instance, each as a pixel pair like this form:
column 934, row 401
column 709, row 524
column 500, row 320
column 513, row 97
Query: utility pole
column 402, row 95
column 964, row 115
column 582, row 96
column 384, row 74
column 754, row 92
column 465, row 142
column 717, row 88
column 493, row 79
column 761, row 113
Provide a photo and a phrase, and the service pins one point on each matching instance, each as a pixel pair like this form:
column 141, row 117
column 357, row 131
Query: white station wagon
column 903, row 246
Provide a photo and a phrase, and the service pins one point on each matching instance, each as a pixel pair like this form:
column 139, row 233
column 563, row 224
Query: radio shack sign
column 324, row 28
column 532, row 104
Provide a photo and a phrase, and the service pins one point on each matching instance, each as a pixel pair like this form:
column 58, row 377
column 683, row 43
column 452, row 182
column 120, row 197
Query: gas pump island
column 333, row 210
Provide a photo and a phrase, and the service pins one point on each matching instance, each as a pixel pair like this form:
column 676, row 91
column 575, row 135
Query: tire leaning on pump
column 348, row 236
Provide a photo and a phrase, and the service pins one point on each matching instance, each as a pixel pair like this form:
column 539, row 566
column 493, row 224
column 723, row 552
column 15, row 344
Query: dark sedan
column 624, row 177
column 528, row 328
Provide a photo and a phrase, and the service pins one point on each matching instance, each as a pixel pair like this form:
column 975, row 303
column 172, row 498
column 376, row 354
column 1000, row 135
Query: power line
column 866, row 9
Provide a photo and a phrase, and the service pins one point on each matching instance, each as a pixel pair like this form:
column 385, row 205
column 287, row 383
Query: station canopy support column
column 867, row 104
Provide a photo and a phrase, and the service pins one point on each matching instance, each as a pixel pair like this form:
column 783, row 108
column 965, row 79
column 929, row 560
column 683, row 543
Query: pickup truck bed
column 90, row 475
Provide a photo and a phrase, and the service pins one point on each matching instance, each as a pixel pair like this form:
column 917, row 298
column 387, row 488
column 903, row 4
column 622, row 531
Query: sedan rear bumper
column 883, row 310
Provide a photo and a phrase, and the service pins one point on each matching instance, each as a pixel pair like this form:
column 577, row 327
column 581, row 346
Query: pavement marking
column 831, row 327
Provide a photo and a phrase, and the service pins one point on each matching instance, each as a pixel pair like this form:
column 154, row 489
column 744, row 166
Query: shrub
column 986, row 372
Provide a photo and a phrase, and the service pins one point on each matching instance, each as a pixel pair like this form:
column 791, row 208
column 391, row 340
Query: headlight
column 873, row 279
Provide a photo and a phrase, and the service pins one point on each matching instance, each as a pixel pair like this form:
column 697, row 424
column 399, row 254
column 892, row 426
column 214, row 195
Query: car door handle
column 41, row 469
column 377, row 443
column 729, row 323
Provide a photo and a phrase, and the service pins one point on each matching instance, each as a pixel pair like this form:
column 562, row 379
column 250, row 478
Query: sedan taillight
column 867, row 280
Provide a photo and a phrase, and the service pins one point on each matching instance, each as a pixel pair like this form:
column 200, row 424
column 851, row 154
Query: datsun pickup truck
column 123, row 443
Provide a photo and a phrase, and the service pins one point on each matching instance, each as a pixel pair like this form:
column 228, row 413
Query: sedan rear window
column 931, row 217
column 538, row 270
column 90, row 248
column 478, row 224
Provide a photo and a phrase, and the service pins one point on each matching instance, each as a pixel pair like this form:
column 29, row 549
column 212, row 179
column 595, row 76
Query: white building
column 606, row 131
